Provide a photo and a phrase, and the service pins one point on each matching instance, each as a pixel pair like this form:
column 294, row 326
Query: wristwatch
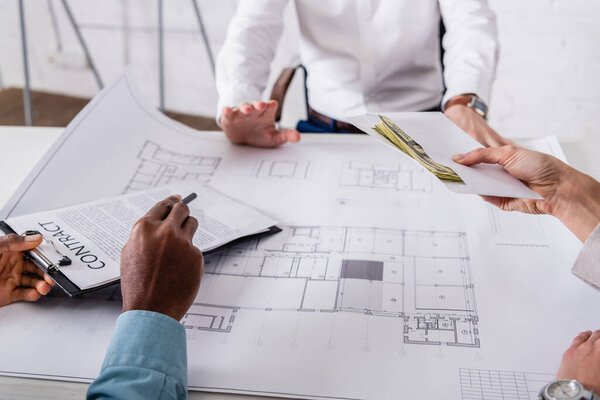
column 566, row 389
column 471, row 101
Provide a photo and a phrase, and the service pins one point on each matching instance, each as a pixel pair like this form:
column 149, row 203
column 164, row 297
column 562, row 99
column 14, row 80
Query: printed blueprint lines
column 395, row 177
column 283, row 169
column 515, row 229
column 479, row 384
column 420, row 277
column 160, row 167
column 209, row 318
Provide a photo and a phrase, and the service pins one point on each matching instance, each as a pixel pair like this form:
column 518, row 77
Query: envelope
column 441, row 139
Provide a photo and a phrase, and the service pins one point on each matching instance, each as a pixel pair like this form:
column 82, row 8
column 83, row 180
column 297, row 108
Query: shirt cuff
column 587, row 264
column 146, row 339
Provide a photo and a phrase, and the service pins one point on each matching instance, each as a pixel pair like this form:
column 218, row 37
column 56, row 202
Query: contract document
column 92, row 234
column 382, row 284
column 431, row 140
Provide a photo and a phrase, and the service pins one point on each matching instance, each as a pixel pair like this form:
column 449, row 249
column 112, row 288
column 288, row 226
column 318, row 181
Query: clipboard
column 47, row 258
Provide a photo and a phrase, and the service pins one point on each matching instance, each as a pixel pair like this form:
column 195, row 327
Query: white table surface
column 21, row 149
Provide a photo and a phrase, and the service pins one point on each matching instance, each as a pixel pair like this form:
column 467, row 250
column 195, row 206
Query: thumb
column 15, row 242
column 282, row 136
column 291, row 135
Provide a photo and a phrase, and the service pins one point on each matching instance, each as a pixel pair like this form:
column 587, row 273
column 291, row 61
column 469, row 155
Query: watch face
column 566, row 389
column 478, row 106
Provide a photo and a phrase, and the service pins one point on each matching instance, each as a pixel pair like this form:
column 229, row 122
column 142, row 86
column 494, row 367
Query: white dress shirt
column 364, row 55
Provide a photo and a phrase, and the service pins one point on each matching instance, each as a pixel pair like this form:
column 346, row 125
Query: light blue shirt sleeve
column 146, row 359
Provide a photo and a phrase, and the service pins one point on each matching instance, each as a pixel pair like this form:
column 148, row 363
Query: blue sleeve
column 146, row 359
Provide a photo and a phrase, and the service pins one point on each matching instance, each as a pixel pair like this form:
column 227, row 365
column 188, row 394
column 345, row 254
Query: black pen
column 189, row 198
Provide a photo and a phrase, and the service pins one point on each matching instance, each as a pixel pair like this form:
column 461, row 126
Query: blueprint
column 160, row 167
column 502, row 385
column 383, row 284
column 370, row 271
column 376, row 176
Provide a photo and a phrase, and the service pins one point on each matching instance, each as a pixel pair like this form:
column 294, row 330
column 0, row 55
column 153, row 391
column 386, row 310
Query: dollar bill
column 403, row 142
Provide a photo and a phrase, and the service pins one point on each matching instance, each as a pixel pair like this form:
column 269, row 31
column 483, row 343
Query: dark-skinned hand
column 20, row 280
column 160, row 267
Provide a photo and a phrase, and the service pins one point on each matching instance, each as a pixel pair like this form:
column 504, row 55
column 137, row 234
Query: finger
column 594, row 336
column 49, row 280
column 286, row 135
column 42, row 287
column 190, row 225
column 259, row 106
column 15, row 242
column 24, row 294
column 271, row 109
column 500, row 202
column 179, row 212
column 27, row 281
column 292, row 135
column 161, row 209
column 33, row 269
column 580, row 339
column 38, row 284
column 232, row 117
column 245, row 108
column 226, row 114
column 489, row 155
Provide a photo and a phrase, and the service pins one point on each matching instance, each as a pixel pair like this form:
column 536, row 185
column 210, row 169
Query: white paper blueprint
column 382, row 284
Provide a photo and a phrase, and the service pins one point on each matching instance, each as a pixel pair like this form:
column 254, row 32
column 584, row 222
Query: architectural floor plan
column 283, row 169
column 159, row 166
column 422, row 278
column 396, row 177
column 516, row 229
column 501, row 385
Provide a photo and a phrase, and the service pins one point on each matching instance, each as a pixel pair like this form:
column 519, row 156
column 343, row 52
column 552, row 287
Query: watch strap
column 469, row 100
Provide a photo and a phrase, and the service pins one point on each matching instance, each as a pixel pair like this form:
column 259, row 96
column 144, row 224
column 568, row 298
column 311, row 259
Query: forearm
column 243, row 64
column 146, row 359
column 577, row 203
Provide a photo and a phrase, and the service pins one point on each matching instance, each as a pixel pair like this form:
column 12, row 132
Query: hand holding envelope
column 432, row 140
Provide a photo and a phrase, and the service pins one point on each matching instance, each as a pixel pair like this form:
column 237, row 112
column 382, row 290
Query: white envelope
column 441, row 139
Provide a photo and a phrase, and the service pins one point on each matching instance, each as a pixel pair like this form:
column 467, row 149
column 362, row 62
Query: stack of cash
column 399, row 139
